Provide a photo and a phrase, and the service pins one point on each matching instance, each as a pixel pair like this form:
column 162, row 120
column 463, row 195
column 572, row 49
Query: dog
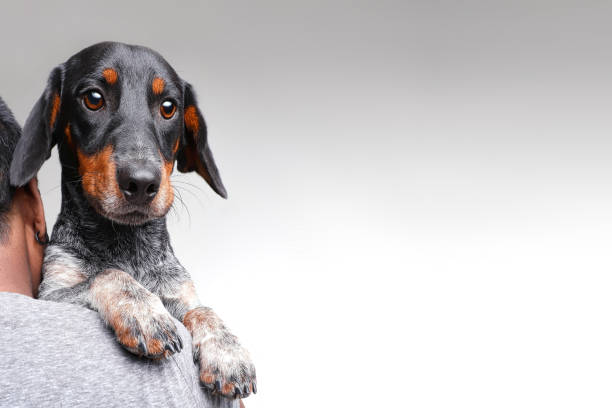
column 121, row 116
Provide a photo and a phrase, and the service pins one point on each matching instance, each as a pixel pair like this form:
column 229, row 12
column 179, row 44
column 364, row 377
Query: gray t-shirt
column 62, row 355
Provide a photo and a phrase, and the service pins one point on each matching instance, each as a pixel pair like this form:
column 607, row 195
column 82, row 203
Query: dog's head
column 120, row 116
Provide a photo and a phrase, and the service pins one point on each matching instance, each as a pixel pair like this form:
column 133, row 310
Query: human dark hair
column 10, row 131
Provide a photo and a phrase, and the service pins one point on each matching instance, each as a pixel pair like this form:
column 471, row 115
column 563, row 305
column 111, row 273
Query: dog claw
column 142, row 347
column 218, row 385
column 254, row 388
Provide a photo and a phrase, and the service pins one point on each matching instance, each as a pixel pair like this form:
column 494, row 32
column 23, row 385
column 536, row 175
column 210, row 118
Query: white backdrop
column 419, row 192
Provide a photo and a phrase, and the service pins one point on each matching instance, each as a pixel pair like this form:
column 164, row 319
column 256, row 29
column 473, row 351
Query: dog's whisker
column 180, row 190
column 196, row 196
column 53, row 189
column 189, row 184
column 179, row 196
column 175, row 212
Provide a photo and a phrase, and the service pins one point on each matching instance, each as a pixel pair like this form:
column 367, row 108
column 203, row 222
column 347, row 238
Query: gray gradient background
column 419, row 209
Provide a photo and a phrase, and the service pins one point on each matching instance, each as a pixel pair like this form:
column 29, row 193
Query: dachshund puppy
column 121, row 116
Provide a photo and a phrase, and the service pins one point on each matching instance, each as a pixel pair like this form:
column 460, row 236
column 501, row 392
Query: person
column 59, row 354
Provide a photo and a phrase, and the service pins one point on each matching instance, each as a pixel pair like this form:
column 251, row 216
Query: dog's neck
column 81, row 227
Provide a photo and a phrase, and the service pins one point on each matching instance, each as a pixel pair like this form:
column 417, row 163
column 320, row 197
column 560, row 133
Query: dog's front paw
column 225, row 366
column 138, row 317
column 146, row 329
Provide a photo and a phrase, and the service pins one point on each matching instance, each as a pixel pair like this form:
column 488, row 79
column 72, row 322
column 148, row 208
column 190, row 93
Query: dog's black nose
column 139, row 183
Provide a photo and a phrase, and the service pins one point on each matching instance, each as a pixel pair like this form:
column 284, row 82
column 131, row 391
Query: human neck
column 15, row 271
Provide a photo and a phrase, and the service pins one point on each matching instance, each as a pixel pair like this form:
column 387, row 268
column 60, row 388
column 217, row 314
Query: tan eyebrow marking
column 158, row 85
column 98, row 173
column 110, row 75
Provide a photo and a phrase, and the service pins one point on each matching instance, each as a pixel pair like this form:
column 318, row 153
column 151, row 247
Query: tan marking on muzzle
column 165, row 195
column 98, row 173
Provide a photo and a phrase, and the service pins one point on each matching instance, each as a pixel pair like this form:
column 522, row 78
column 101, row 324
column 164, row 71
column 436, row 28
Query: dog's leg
column 138, row 317
column 64, row 277
column 140, row 321
column 225, row 366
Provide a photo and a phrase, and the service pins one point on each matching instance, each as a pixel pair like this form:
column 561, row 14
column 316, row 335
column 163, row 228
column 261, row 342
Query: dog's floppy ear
column 37, row 139
column 195, row 154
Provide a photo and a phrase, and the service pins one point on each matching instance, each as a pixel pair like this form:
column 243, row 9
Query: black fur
column 101, row 232
column 200, row 144
column 10, row 131
column 38, row 138
column 80, row 228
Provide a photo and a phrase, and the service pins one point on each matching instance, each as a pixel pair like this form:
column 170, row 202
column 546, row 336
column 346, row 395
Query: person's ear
column 37, row 208
column 194, row 153
column 38, row 136
column 35, row 231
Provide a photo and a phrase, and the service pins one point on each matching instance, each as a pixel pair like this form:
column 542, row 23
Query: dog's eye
column 167, row 109
column 93, row 100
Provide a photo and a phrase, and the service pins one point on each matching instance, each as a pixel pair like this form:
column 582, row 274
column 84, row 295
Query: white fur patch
column 60, row 270
column 188, row 296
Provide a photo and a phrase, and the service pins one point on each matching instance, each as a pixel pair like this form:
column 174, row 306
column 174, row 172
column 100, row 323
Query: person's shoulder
column 40, row 316
column 47, row 321
column 24, row 307
column 64, row 353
